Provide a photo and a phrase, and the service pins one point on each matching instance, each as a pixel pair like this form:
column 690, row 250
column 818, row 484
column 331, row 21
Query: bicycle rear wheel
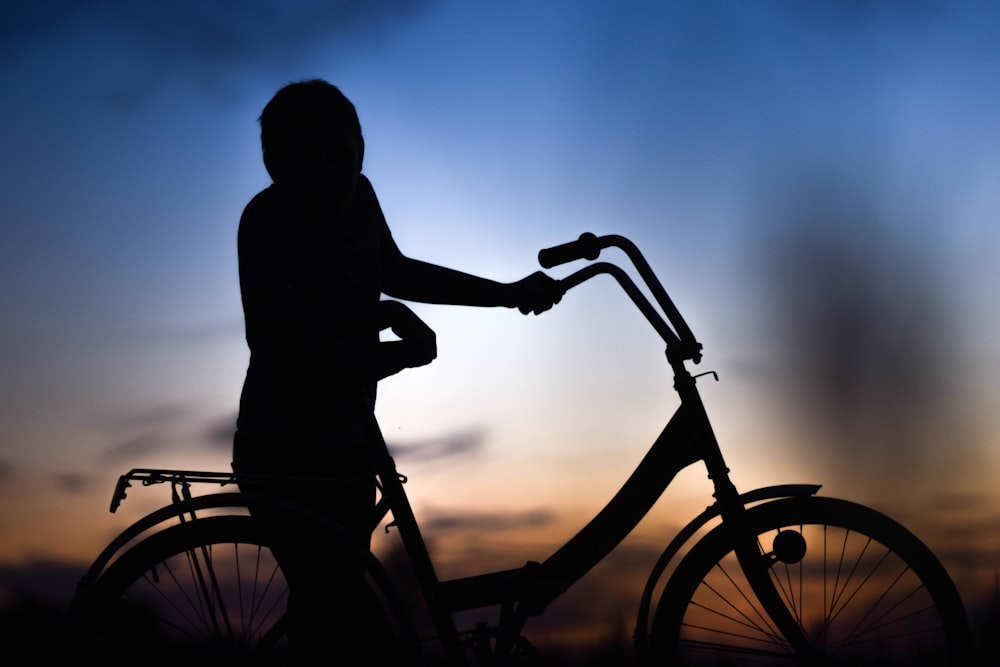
column 863, row 589
column 209, row 591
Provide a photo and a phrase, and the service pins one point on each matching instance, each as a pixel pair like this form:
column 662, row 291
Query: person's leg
column 329, row 602
column 330, row 599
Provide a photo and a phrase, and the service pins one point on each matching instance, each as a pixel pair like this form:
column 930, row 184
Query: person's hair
column 305, row 105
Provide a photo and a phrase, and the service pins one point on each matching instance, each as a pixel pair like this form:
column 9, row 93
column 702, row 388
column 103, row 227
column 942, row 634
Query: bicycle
column 776, row 575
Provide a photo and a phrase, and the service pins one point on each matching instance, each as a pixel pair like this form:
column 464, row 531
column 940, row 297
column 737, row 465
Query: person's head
column 311, row 138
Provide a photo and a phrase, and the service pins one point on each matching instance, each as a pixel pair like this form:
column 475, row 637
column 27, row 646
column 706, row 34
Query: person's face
column 323, row 167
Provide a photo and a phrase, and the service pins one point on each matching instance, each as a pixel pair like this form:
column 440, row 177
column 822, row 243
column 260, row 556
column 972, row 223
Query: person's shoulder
column 366, row 204
column 260, row 215
column 364, row 188
column 265, row 205
column 266, row 199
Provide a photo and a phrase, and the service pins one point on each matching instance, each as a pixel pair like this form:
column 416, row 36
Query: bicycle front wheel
column 209, row 591
column 862, row 588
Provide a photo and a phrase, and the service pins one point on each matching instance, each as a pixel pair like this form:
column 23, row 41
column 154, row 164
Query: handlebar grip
column 585, row 247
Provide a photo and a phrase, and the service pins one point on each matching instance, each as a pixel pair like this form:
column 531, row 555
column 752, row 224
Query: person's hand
column 535, row 293
column 419, row 339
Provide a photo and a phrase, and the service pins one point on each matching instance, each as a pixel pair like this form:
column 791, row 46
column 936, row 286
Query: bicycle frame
column 687, row 439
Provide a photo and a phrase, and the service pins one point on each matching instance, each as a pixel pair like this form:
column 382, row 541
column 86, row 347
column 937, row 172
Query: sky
column 815, row 184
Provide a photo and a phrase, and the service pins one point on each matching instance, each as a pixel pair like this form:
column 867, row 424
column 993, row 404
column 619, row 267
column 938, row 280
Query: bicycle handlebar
column 588, row 246
column 585, row 247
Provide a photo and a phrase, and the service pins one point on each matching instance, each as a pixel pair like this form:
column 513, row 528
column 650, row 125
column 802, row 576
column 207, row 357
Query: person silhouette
column 316, row 257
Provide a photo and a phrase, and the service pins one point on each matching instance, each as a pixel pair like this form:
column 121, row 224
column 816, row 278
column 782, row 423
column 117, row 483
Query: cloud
column 204, row 41
column 74, row 483
column 219, row 432
column 132, row 449
column 154, row 417
column 6, row 472
column 150, row 428
column 487, row 521
column 199, row 333
column 202, row 29
column 155, row 426
column 446, row 447
column 958, row 501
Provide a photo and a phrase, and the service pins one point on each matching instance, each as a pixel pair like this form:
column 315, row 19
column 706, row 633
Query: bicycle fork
column 756, row 567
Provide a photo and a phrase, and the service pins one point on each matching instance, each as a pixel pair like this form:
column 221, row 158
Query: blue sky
column 815, row 182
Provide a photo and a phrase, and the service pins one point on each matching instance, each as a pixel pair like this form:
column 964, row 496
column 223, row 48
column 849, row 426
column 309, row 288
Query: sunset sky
column 816, row 184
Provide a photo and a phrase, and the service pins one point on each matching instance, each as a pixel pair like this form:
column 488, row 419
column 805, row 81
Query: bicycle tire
column 865, row 591
column 151, row 606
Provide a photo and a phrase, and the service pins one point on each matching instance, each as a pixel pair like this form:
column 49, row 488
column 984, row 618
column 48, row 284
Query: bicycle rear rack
column 177, row 478
column 184, row 479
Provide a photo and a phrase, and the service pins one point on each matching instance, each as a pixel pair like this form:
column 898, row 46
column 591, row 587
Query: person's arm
column 417, row 344
column 416, row 280
column 339, row 340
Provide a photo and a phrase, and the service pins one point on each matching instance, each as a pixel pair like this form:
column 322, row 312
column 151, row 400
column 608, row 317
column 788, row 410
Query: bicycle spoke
column 173, row 593
column 258, row 614
column 762, row 624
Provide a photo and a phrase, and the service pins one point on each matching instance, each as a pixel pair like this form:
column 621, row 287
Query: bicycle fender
column 686, row 533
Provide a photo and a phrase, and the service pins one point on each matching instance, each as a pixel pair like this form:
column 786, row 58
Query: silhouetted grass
column 41, row 631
